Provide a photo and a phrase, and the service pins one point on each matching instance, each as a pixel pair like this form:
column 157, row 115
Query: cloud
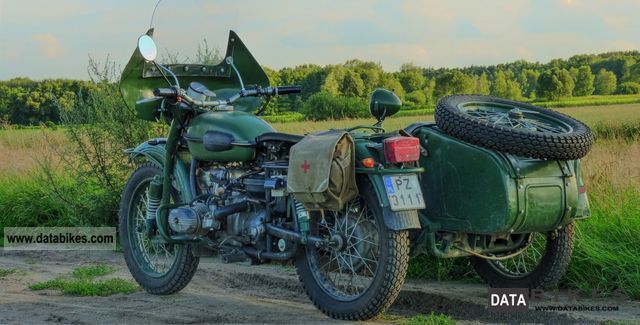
column 49, row 45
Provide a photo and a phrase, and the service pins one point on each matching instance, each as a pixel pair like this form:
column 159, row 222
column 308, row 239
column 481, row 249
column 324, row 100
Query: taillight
column 401, row 149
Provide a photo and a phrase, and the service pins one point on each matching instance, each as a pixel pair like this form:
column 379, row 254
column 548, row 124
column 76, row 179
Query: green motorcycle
column 218, row 185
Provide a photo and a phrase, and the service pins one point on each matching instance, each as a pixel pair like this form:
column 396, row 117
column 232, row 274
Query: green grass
column 431, row 319
column 595, row 100
column 83, row 287
column 89, row 272
column 6, row 272
column 83, row 283
column 606, row 248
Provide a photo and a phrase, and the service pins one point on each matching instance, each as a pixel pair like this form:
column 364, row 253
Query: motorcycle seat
column 277, row 136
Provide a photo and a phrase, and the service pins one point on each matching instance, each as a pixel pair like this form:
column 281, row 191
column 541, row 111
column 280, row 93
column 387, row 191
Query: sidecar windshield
column 139, row 78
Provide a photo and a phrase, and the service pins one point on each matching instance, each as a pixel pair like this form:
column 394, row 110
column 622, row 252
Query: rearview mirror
column 147, row 47
column 384, row 103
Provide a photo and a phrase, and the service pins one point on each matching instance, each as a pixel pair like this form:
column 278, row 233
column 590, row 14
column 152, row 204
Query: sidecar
column 506, row 196
column 472, row 189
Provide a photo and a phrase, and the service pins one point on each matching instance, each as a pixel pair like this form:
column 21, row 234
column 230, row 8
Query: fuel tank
column 225, row 136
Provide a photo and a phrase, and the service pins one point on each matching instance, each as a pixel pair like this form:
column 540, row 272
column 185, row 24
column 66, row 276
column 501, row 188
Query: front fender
column 154, row 151
column 395, row 220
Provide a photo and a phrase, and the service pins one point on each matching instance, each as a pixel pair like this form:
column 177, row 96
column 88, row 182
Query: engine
column 232, row 206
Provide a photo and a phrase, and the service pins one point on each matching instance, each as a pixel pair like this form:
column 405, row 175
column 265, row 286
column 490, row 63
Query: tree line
column 342, row 90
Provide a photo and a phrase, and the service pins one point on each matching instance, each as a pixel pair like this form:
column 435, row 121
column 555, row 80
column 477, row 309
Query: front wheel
column 361, row 274
column 541, row 265
column 159, row 268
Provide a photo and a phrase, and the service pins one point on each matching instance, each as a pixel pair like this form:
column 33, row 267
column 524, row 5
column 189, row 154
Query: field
column 606, row 253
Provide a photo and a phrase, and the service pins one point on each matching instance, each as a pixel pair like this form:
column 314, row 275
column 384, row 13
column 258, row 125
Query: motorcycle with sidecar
column 492, row 179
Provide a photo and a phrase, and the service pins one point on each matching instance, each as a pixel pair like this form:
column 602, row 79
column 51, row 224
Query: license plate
column 403, row 192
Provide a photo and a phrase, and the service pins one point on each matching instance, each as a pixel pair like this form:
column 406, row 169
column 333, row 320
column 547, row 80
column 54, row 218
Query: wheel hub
column 350, row 246
column 516, row 114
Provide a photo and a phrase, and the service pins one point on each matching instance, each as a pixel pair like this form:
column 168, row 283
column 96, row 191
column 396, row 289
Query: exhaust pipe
column 222, row 212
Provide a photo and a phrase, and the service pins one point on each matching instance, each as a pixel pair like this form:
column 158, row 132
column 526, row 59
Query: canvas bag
column 322, row 170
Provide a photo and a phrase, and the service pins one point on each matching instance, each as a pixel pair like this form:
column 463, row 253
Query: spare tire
column 513, row 127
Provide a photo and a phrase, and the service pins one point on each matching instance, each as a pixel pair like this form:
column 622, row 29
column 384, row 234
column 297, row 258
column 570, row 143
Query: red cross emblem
column 305, row 167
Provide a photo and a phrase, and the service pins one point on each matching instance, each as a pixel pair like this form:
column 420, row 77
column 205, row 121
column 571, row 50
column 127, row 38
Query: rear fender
column 399, row 220
column 395, row 220
column 154, row 151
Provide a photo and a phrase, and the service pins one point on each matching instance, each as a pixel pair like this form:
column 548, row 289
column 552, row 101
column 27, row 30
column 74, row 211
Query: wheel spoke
column 347, row 269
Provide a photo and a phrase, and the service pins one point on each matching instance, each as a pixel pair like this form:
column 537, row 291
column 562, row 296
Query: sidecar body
column 473, row 190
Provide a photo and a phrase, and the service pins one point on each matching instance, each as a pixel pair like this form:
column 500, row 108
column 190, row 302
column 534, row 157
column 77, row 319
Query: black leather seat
column 277, row 136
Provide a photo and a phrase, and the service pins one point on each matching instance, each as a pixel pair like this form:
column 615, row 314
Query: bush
column 628, row 88
column 325, row 106
column 99, row 127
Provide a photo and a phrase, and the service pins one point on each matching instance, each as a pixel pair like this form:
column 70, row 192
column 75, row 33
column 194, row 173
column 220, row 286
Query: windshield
column 139, row 78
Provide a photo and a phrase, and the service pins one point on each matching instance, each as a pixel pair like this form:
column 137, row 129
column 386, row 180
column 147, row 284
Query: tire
column 154, row 280
column 390, row 252
column 489, row 122
column 546, row 273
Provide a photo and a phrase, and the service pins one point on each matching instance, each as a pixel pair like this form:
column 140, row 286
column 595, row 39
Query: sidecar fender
column 154, row 151
column 395, row 220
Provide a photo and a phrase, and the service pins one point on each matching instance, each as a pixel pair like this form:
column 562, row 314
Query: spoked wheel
column 540, row 265
column 158, row 267
column 513, row 127
column 360, row 274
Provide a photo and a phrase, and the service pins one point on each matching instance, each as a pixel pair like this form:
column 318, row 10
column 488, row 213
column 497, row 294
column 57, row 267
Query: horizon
column 55, row 41
column 340, row 63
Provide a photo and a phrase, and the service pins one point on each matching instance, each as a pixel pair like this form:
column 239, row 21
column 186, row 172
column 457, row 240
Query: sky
column 54, row 39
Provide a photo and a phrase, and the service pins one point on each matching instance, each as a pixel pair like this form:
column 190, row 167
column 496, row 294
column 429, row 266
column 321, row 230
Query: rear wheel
column 541, row 265
column 159, row 268
column 361, row 274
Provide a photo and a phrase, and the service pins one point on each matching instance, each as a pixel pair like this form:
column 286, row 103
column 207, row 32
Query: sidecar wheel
column 159, row 268
column 362, row 277
column 541, row 265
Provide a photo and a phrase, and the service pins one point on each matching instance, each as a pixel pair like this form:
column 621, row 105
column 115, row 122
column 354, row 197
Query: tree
column 505, row 87
column 411, row 77
column 605, row 82
column 416, row 97
column 555, row 83
column 529, row 89
column 628, row 88
column 482, row 85
column 352, row 85
column 584, row 82
column 453, row 82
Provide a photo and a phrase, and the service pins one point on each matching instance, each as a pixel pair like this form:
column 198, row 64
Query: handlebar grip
column 284, row 90
column 165, row 92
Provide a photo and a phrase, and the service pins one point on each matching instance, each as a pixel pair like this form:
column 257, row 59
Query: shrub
column 325, row 106
column 99, row 127
column 628, row 88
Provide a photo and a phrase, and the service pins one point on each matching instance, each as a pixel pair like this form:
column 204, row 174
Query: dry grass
column 613, row 163
column 21, row 150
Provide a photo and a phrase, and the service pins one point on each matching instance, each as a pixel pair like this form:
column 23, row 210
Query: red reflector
column 582, row 189
column 401, row 149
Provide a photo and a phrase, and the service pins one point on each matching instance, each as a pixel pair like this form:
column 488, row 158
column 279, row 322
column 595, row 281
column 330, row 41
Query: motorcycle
column 492, row 179
column 220, row 184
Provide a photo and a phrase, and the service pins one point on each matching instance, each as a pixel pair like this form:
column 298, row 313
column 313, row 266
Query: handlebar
column 165, row 92
column 268, row 91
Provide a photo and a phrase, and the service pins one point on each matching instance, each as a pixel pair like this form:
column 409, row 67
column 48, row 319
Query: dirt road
column 221, row 293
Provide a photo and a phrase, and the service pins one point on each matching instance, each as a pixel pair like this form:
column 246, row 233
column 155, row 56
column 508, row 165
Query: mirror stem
column 229, row 61
column 161, row 67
